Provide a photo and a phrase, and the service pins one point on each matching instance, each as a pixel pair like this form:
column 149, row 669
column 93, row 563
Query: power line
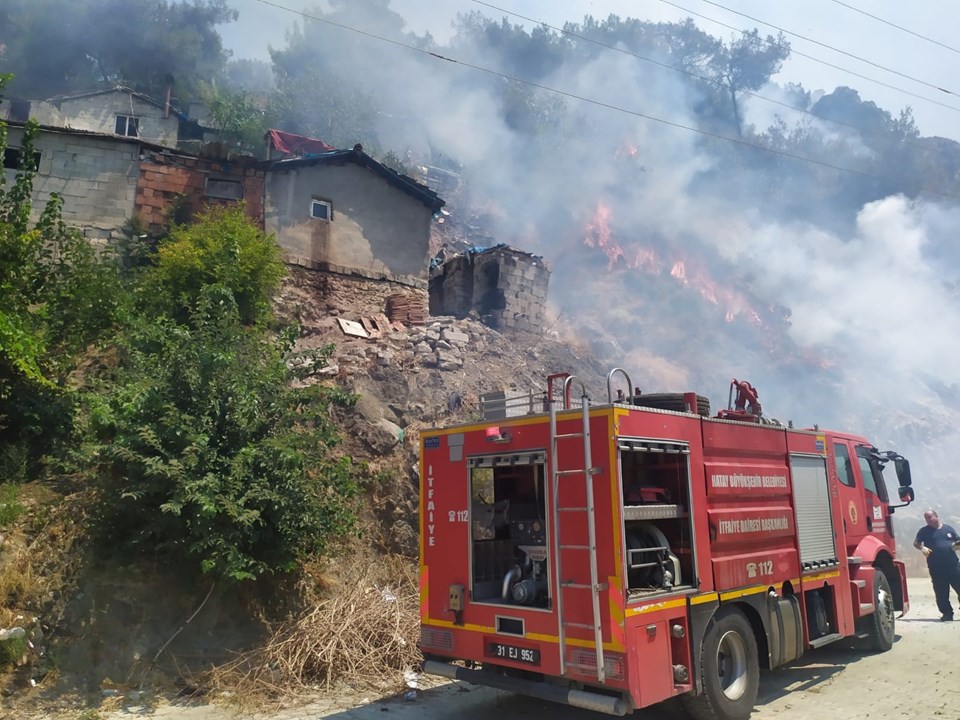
column 898, row 27
column 796, row 52
column 598, row 103
column 675, row 68
column 830, row 47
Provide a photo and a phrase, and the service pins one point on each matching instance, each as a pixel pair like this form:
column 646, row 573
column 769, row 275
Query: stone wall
column 504, row 287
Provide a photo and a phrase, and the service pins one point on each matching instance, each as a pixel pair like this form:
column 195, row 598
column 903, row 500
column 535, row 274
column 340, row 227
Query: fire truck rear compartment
column 656, row 526
column 509, row 530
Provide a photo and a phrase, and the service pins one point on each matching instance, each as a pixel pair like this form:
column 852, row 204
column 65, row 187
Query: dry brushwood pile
column 363, row 636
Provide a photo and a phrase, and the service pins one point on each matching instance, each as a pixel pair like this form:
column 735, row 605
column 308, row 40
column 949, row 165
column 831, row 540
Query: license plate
column 501, row 651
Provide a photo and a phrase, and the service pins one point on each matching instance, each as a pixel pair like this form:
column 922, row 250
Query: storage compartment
column 655, row 482
column 508, row 530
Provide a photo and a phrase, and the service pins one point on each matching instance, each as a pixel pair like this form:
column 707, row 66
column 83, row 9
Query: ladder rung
column 571, row 472
column 574, row 547
column 572, row 509
column 582, row 626
column 569, row 435
column 582, row 586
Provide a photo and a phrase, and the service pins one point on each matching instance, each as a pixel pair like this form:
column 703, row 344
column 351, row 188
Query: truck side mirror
column 906, row 494
column 903, row 473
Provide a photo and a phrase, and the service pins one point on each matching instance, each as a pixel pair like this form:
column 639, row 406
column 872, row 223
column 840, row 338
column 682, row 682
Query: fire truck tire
column 730, row 670
column 880, row 624
column 671, row 401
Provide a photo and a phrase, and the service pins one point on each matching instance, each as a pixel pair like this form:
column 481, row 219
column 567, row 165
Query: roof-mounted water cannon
column 746, row 406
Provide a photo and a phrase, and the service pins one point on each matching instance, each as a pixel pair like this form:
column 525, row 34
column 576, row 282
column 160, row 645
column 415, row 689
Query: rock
column 385, row 357
column 14, row 633
column 444, row 345
column 455, row 336
column 448, row 361
column 424, row 349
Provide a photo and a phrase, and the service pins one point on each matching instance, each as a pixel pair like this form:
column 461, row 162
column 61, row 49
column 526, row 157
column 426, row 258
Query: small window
column 128, row 126
column 321, row 210
column 223, row 189
column 11, row 159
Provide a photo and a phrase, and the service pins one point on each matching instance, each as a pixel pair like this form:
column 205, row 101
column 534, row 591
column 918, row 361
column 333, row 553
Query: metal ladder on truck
column 572, row 578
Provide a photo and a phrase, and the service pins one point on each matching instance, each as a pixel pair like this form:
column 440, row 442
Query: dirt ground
column 919, row 678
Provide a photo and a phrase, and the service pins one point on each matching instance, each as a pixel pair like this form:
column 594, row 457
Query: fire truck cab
column 612, row 556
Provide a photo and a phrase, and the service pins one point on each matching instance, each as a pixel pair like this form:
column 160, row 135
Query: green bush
column 206, row 454
column 10, row 507
column 57, row 296
column 222, row 247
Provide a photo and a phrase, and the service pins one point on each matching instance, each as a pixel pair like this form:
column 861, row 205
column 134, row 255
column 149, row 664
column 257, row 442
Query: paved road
column 919, row 679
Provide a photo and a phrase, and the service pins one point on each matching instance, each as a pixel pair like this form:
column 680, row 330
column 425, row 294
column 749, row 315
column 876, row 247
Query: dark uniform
column 943, row 564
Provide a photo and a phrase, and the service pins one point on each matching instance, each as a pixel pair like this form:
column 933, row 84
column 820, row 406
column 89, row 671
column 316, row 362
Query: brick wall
column 172, row 184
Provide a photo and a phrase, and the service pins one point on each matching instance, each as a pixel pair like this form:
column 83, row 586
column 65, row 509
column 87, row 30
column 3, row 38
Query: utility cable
column 796, row 52
column 675, row 68
column 899, row 27
column 831, row 47
column 598, row 103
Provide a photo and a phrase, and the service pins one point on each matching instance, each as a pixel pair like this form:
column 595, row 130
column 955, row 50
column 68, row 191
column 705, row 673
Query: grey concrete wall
column 98, row 113
column 377, row 229
column 96, row 177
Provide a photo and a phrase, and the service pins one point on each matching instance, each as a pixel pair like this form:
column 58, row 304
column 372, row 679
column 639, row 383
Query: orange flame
column 600, row 235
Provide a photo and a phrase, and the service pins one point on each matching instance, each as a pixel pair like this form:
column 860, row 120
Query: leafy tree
column 206, row 455
column 240, row 118
column 204, row 450
column 61, row 46
column 223, row 247
column 57, row 295
column 748, row 63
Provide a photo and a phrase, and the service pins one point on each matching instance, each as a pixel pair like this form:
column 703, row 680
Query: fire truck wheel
column 729, row 668
column 880, row 625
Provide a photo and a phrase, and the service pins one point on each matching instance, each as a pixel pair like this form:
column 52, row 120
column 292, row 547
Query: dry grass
column 364, row 635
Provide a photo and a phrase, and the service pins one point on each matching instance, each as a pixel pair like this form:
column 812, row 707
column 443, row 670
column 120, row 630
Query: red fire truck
column 613, row 556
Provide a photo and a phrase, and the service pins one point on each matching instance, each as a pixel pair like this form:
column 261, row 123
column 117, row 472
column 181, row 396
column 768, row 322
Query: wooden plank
column 383, row 324
column 370, row 328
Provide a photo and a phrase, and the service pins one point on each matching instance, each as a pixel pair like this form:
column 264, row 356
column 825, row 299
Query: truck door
column 875, row 497
column 851, row 496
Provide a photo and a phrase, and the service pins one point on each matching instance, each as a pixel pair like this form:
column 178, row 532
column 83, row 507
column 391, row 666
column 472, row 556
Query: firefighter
column 938, row 543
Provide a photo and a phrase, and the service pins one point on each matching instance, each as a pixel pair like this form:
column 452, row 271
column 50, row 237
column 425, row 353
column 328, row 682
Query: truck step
column 826, row 640
column 866, row 608
column 854, row 560
column 860, row 583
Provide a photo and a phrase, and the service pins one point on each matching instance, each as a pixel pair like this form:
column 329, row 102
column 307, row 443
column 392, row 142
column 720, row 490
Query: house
column 345, row 212
column 95, row 175
column 123, row 112
column 505, row 287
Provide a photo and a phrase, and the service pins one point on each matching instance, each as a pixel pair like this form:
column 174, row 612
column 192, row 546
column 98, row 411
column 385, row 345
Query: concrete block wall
column 95, row 177
column 98, row 113
column 506, row 288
